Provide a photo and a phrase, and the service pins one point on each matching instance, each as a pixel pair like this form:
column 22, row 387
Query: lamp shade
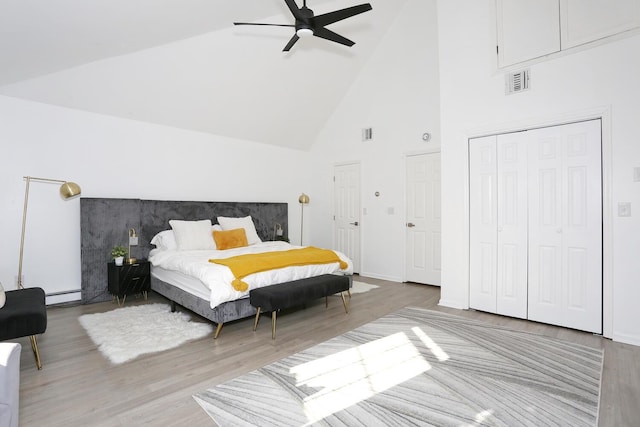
column 304, row 199
column 69, row 189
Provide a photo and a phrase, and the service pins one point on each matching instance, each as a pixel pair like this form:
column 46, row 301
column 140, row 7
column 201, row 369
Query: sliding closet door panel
column 545, row 226
column 511, row 286
column 582, row 254
column 565, row 226
column 483, row 223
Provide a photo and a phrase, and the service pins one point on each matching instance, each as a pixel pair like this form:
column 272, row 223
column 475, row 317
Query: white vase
column 119, row 260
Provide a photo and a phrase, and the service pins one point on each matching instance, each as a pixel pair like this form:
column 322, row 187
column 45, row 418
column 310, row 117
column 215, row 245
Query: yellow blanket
column 243, row 265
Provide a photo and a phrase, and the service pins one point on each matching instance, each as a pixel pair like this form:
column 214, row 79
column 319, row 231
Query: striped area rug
column 418, row 367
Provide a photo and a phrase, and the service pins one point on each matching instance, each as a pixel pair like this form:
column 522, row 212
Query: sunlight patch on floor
column 351, row 376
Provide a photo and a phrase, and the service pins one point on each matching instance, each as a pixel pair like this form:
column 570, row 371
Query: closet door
column 483, row 205
column 511, row 290
column 565, row 226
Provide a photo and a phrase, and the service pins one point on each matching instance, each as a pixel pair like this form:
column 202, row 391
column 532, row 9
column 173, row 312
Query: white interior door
column 565, row 226
column 423, row 226
column 483, row 214
column 346, row 202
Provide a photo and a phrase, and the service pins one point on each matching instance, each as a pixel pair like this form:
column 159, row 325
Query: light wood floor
column 79, row 387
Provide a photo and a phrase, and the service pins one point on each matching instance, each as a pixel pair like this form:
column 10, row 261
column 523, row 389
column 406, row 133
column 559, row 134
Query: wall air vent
column 367, row 134
column 517, row 82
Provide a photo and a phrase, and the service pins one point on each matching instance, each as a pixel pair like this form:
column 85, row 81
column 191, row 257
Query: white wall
column 397, row 95
column 118, row 158
column 590, row 82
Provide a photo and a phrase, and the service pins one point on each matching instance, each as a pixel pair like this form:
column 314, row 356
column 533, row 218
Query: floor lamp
column 304, row 200
column 68, row 190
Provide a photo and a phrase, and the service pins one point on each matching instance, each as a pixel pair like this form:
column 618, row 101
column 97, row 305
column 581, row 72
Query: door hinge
column 497, row 50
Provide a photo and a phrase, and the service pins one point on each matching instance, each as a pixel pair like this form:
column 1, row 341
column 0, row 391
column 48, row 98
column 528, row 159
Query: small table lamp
column 133, row 241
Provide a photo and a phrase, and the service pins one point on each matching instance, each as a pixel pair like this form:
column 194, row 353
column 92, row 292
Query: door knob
column 354, row 223
column 410, row 224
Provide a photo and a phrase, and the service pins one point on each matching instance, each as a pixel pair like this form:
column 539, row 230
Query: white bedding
column 218, row 277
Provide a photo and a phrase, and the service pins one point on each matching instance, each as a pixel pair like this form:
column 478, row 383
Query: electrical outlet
column 624, row 209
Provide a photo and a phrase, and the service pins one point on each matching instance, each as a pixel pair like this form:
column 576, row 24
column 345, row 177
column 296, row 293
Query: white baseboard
column 452, row 304
column 627, row 339
column 381, row 277
column 62, row 297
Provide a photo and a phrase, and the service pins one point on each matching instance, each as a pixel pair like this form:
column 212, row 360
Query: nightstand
column 129, row 279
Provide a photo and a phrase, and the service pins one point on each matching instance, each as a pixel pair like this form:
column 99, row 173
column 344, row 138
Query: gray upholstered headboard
column 104, row 223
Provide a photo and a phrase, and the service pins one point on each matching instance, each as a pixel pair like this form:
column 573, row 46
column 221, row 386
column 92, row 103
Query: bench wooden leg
column 344, row 302
column 218, row 329
column 255, row 323
column 36, row 352
column 273, row 325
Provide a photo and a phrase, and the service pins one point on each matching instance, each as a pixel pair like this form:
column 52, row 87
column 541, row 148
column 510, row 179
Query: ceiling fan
column 309, row 25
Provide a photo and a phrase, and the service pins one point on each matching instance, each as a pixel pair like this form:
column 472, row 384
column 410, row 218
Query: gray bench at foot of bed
column 290, row 294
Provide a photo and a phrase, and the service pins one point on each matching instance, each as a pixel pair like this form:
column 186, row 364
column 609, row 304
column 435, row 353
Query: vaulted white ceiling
column 182, row 63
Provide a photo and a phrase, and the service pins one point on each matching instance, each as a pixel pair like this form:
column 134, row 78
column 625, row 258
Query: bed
column 104, row 223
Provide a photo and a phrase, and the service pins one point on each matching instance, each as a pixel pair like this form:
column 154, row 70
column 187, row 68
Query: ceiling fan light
column 304, row 32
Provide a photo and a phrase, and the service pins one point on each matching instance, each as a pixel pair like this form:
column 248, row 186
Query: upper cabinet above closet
column 527, row 30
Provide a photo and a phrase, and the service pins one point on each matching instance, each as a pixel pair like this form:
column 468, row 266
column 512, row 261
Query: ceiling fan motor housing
column 304, row 26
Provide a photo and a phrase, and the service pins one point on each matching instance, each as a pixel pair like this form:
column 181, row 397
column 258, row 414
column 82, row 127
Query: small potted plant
column 118, row 253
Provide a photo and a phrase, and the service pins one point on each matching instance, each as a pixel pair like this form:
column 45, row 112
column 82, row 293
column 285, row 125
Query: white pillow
column 165, row 240
column 246, row 223
column 193, row 235
column 3, row 297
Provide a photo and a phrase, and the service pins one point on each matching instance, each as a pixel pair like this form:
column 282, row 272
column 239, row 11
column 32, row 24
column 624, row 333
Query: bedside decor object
column 118, row 253
column 129, row 279
column 304, row 200
column 133, row 241
column 68, row 190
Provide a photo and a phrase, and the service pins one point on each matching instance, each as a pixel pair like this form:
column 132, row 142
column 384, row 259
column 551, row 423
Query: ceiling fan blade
column 334, row 37
column 295, row 10
column 293, row 41
column 268, row 25
column 339, row 15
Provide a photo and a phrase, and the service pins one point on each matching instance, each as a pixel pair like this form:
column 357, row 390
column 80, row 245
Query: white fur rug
column 126, row 333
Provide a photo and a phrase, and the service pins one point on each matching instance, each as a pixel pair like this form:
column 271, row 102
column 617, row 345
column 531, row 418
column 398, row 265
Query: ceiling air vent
column 517, row 82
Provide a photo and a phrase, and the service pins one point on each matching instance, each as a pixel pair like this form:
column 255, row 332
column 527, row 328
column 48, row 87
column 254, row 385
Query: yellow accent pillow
column 230, row 239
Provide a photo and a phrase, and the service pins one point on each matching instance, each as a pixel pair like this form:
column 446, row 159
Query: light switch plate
column 624, row 209
column 636, row 174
